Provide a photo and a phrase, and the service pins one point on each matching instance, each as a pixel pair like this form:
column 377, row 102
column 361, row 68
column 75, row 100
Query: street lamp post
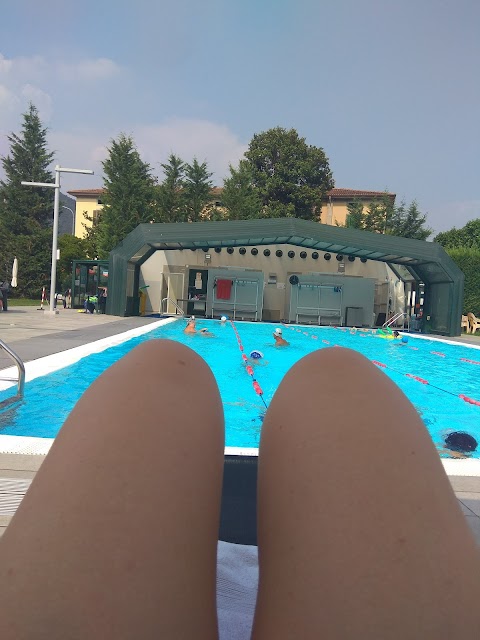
column 56, row 206
column 73, row 217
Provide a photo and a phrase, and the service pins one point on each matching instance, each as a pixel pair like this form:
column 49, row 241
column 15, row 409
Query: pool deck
column 33, row 334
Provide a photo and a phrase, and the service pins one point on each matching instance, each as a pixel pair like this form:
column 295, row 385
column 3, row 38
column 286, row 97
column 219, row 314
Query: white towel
column 237, row 583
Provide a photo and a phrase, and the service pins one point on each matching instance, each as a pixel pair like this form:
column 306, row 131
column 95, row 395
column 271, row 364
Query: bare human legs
column 117, row 536
column 360, row 535
column 359, row 532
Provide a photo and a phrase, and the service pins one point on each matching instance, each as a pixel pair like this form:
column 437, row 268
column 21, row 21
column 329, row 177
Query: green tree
column 463, row 246
column 468, row 260
column 379, row 215
column 408, row 222
column 355, row 215
column 171, row 191
column 26, row 212
column 373, row 219
column 71, row 248
column 239, row 196
column 197, row 189
column 130, row 195
column 290, row 176
column 382, row 216
column 91, row 236
column 466, row 237
column 33, row 252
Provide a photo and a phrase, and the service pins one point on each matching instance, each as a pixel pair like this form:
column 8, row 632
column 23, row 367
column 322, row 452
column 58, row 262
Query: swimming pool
column 451, row 370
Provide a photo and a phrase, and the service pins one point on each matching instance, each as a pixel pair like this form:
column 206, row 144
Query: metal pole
column 56, row 206
column 53, row 273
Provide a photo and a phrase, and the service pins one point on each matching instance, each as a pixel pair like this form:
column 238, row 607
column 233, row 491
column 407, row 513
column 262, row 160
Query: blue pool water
column 49, row 399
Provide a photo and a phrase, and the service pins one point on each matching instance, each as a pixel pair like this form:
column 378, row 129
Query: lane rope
column 409, row 375
column 248, row 367
column 426, row 382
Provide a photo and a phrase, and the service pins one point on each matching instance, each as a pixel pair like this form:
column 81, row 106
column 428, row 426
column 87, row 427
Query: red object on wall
column 224, row 289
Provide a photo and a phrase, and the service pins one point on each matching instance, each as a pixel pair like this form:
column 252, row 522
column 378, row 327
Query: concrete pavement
column 33, row 334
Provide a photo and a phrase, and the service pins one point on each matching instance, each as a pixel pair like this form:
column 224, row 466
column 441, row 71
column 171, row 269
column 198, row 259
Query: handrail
column 396, row 317
column 182, row 312
column 393, row 319
column 21, row 375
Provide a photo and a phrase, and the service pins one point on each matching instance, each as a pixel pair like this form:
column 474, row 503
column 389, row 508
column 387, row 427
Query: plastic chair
column 473, row 322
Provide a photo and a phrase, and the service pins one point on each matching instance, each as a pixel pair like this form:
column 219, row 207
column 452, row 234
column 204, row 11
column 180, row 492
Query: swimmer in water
column 223, row 320
column 206, row 333
column 279, row 339
column 190, row 328
column 256, row 358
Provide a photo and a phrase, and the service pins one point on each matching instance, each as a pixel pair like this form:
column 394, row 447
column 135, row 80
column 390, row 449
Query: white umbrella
column 14, row 272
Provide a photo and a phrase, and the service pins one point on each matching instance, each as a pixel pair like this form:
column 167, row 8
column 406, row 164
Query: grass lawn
column 23, row 302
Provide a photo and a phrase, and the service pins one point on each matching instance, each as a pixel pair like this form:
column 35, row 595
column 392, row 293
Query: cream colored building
column 88, row 201
column 334, row 207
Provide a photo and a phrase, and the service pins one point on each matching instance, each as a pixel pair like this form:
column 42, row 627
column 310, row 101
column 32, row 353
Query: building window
column 96, row 215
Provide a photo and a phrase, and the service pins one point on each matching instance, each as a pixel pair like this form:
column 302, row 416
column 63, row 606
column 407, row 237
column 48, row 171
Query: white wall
column 160, row 263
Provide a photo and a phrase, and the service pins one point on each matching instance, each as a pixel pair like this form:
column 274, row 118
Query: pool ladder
column 394, row 319
column 21, row 376
column 179, row 310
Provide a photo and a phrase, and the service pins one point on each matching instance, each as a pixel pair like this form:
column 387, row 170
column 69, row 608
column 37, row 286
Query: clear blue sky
column 389, row 89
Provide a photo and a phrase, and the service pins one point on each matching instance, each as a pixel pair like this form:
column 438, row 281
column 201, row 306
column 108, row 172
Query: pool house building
column 284, row 270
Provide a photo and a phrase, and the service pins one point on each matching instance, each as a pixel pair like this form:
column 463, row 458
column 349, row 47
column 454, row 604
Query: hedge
column 468, row 260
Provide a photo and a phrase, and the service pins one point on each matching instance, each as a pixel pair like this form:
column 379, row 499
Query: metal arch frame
column 415, row 255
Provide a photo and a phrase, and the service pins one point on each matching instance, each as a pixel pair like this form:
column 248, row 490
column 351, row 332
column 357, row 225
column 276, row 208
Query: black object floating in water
column 461, row 442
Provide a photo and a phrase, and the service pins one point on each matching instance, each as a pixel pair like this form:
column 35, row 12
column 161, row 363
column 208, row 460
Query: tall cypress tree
column 240, row 198
column 171, row 195
column 409, row 223
column 26, row 212
column 129, row 198
column 197, row 190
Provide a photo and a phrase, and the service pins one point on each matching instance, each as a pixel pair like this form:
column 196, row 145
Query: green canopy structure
column 425, row 262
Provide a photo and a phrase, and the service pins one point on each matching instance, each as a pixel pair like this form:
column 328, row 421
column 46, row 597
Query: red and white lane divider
column 409, row 375
column 248, row 367
column 426, row 382
column 306, row 333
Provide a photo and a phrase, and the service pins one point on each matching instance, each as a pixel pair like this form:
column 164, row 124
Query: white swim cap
column 278, row 331
column 223, row 318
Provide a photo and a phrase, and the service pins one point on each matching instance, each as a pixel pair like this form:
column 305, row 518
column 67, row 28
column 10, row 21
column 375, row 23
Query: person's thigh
column 117, row 536
column 359, row 532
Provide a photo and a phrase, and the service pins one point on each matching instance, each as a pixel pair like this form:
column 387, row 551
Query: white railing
column 394, row 319
column 21, row 375
column 164, row 312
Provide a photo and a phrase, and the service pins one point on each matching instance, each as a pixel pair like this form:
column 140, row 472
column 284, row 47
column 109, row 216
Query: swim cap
column 404, row 339
column 256, row 355
column 223, row 318
column 278, row 331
